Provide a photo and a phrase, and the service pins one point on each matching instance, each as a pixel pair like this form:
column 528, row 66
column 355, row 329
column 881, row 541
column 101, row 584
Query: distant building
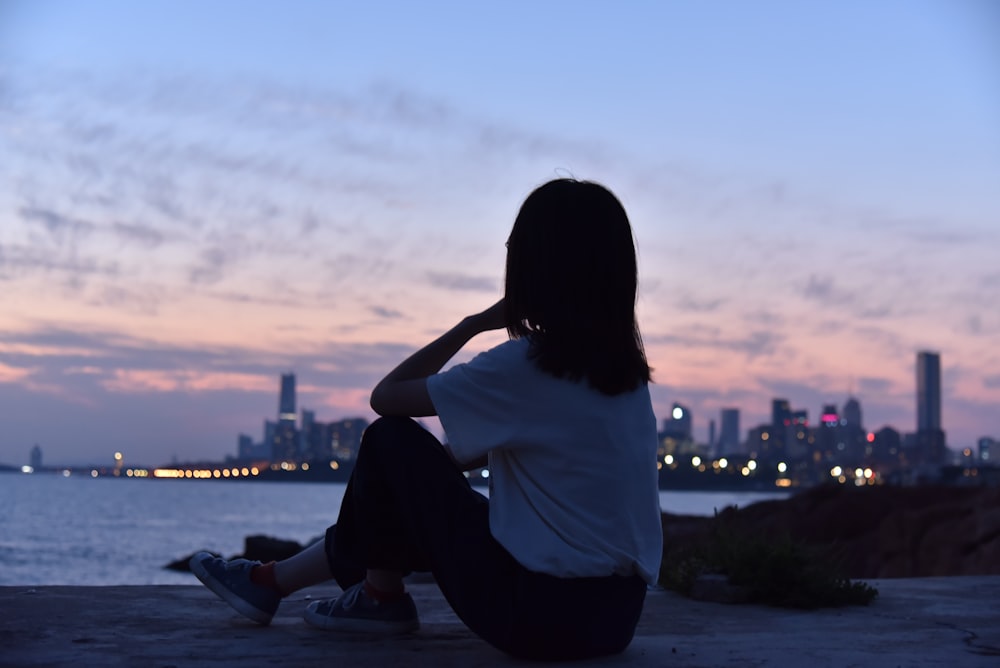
column 852, row 414
column 244, row 447
column 678, row 425
column 345, row 437
column 781, row 420
column 286, row 445
column 986, row 447
column 928, row 391
column 930, row 433
column 760, row 443
column 887, row 447
column 852, row 432
column 286, row 402
column 797, row 435
column 729, row 436
column 825, row 448
column 35, row 458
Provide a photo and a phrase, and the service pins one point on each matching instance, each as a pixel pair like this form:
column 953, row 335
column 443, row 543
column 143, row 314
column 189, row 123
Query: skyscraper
column 286, row 404
column 285, row 438
column 930, row 435
column 729, row 436
column 852, row 413
column 928, row 391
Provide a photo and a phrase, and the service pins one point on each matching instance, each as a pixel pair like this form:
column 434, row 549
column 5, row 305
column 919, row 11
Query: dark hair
column 570, row 286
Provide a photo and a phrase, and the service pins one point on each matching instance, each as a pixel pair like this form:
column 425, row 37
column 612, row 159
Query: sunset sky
column 196, row 197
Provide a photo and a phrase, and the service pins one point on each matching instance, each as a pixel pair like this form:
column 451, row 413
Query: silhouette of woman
column 555, row 564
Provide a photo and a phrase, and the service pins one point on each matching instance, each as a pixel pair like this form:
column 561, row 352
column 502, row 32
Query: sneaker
column 356, row 611
column 231, row 581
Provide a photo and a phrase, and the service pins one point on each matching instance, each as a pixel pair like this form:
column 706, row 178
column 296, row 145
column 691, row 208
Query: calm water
column 85, row 531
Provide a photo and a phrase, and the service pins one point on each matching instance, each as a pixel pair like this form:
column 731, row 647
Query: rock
column 266, row 548
column 873, row 531
column 255, row 548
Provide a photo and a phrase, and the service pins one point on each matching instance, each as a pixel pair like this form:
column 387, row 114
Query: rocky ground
column 873, row 532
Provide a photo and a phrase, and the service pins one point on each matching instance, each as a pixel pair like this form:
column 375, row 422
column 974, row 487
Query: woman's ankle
column 263, row 575
column 384, row 583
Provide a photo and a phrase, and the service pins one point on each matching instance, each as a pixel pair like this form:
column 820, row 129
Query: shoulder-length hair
column 570, row 286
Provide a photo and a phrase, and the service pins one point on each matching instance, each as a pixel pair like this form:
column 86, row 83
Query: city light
column 696, row 461
column 782, row 467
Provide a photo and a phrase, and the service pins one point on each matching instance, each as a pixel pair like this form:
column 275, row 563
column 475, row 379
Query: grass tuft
column 778, row 572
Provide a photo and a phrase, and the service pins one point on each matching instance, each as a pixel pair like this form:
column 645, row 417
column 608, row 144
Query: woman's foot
column 230, row 580
column 357, row 611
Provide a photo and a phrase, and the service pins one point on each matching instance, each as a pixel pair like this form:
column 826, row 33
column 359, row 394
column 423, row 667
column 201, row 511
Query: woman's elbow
column 376, row 401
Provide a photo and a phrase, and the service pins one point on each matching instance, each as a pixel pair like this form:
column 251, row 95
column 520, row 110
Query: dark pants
column 408, row 508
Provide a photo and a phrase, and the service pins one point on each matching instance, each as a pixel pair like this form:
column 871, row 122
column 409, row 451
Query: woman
column 555, row 564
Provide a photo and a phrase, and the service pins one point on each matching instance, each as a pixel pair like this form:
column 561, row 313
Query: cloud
column 458, row 281
column 823, row 290
column 142, row 235
column 874, row 385
column 208, row 270
column 132, row 381
column 13, row 374
column 58, row 226
column 755, row 344
column 992, row 382
column 692, row 304
column 875, row 312
column 387, row 313
column 18, row 260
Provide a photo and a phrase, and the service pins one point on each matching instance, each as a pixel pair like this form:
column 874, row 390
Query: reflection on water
column 84, row 531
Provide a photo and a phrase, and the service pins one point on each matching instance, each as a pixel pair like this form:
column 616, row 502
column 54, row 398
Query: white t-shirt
column 572, row 470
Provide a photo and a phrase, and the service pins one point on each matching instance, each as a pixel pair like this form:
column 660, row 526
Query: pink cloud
column 147, row 381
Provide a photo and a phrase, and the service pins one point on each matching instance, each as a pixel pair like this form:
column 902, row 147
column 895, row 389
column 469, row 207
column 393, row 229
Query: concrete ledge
column 914, row 622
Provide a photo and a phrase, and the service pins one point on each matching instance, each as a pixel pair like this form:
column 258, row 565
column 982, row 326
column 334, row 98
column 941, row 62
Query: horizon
column 198, row 198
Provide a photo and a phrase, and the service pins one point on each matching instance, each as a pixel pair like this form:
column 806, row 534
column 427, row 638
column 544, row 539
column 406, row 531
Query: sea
column 78, row 530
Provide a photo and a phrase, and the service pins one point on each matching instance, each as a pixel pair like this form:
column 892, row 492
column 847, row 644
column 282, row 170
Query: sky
column 196, row 197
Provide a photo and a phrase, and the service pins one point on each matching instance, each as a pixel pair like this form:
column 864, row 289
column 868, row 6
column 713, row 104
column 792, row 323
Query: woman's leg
column 308, row 567
column 409, row 508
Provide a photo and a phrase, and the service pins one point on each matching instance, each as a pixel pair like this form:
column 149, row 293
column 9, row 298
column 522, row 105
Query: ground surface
column 914, row 622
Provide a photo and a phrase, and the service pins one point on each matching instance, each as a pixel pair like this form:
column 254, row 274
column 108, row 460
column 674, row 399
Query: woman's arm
column 404, row 390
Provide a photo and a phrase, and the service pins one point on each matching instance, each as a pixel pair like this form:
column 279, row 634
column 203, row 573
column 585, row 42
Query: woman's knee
column 389, row 430
column 396, row 435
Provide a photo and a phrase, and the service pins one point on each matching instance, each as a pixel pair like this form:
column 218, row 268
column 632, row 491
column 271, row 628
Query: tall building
column 781, row 420
column 928, row 391
column 285, row 443
column 930, row 435
column 852, row 413
column 36, row 457
column 852, row 432
column 286, row 402
column 729, row 436
column 827, row 435
column 781, row 412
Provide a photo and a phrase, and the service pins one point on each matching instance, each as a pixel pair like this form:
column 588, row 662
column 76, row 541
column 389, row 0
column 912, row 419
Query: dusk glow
column 198, row 197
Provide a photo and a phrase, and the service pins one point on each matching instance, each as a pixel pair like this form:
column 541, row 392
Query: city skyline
column 196, row 198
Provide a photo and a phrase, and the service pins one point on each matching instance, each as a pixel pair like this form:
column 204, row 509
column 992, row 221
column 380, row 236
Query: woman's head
column 571, row 285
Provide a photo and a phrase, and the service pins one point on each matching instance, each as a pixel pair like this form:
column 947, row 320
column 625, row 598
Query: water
column 85, row 531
